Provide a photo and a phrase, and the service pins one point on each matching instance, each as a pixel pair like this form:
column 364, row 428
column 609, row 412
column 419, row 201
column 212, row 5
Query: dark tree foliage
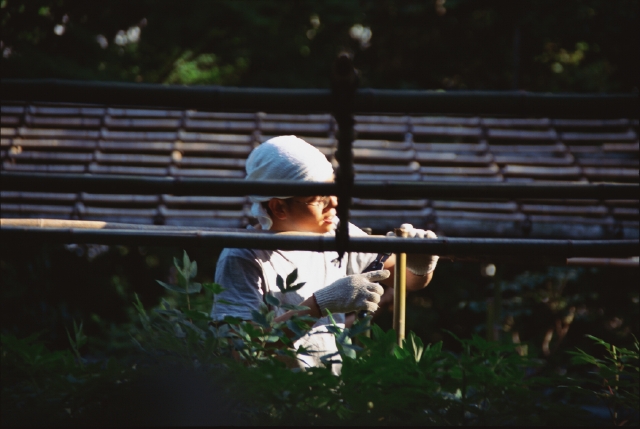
column 535, row 45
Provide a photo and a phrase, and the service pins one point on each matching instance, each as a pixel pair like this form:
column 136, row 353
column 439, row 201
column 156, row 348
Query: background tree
column 542, row 45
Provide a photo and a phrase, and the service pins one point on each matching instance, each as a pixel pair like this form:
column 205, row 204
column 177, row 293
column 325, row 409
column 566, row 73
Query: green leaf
column 270, row 338
column 193, row 271
column 294, row 307
column 170, row 312
column 214, row 288
column 225, row 302
column 182, row 280
column 194, row 288
column 400, row 353
column 178, row 332
column 171, row 287
column 272, row 300
column 231, row 320
column 435, row 348
column 377, row 332
column 349, row 350
column 259, row 318
column 417, row 346
column 252, row 330
column 295, row 287
column 305, row 318
column 295, row 328
column 185, row 261
column 599, row 341
column 280, row 283
column 334, row 329
column 197, row 315
column 360, row 326
column 292, row 277
column 138, row 305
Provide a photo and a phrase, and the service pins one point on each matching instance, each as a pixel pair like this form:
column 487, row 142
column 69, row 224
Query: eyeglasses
column 322, row 202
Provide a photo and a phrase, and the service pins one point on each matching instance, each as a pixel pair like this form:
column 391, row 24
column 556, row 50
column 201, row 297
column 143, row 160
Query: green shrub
column 192, row 370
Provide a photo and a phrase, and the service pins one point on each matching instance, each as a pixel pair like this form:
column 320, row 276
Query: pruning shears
column 376, row 265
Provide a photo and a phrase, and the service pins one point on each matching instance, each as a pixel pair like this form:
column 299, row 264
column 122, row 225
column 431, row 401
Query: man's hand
column 417, row 264
column 352, row 293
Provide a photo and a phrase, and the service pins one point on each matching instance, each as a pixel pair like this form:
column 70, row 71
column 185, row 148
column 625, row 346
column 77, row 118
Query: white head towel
column 284, row 158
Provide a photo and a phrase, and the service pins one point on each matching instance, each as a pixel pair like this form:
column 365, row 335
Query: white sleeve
column 358, row 262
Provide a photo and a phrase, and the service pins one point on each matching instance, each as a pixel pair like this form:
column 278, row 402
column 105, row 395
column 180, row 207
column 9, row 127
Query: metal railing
column 113, row 184
column 342, row 101
column 216, row 98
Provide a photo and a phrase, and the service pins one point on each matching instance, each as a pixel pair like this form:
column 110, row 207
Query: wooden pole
column 400, row 291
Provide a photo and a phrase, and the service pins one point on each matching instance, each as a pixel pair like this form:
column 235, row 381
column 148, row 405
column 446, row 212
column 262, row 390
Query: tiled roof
column 64, row 138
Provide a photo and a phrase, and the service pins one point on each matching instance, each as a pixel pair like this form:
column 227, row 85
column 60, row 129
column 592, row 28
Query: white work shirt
column 247, row 274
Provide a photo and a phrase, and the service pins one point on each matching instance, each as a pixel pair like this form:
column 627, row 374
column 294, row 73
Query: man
column 336, row 286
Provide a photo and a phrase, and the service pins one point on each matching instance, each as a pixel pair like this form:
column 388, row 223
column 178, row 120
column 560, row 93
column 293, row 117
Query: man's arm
column 414, row 282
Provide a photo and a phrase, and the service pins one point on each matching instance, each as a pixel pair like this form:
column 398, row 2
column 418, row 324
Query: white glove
column 352, row 293
column 420, row 265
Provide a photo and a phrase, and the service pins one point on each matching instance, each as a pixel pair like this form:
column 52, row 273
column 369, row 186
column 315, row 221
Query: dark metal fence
column 113, row 184
column 451, row 247
column 342, row 100
column 215, row 98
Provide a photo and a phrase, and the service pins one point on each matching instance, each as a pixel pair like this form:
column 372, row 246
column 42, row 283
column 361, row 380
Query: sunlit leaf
column 295, row 287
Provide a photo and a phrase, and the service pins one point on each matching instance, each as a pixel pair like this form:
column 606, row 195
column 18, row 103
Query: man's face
column 311, row 214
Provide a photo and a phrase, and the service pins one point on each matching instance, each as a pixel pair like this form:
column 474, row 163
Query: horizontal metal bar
column 321, row 243
column 605, row 262
column 115, row 184
column 216, row 98
column 512, row 103
column 509, row 259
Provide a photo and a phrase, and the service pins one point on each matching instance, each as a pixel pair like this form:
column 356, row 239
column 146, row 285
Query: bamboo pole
column 400, row 291
column 94, row 224
column 527, row 250
column 115, row 184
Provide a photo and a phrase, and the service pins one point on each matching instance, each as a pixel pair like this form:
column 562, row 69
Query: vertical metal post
column 400, row 291
column 344, row 81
